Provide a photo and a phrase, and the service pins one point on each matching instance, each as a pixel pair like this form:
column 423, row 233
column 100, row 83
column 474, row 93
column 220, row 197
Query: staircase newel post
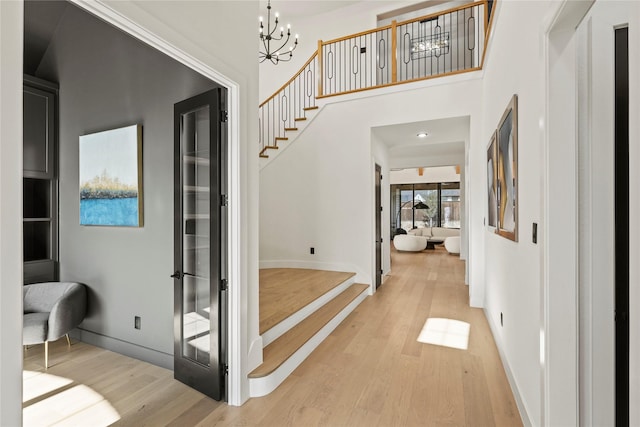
column 394, row 51
column 320, row 71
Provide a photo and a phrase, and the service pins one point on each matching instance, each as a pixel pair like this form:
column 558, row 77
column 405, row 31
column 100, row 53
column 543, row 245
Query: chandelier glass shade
column 274, row 44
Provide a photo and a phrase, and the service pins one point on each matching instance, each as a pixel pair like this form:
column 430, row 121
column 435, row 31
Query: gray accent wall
column 108, row 80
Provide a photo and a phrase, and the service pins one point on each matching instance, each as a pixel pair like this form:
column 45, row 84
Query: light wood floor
column 371, row 371
column 283, row 291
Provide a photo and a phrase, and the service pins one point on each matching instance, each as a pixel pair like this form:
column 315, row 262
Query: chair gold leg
column 46, row 354
column 68, row 340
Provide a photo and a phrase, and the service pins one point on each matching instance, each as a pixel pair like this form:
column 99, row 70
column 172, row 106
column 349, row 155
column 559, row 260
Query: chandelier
column 275, row 53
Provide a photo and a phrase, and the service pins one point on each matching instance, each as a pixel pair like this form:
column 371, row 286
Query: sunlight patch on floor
column 75, row 406
column 445, row 332
column 36, row 384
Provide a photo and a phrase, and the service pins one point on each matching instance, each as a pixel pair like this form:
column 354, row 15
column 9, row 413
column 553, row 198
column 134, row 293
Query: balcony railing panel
column 280, row 111
column 440, row 44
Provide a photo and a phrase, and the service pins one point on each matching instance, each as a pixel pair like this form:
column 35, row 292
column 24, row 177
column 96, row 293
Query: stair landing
column 284, row 291
column 299, row 308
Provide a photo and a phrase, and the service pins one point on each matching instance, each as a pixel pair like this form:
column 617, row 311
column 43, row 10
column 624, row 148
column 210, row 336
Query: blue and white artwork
column 111, row 177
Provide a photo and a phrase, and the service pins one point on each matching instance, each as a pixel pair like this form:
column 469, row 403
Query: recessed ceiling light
column 422, row 135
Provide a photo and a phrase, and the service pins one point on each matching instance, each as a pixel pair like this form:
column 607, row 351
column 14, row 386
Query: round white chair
column 409, row 243
column 452, row 244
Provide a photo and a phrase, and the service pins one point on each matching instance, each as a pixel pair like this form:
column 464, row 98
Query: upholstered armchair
column 51, row 311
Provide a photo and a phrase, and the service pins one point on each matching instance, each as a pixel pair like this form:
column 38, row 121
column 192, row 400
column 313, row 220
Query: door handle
column 179, row 275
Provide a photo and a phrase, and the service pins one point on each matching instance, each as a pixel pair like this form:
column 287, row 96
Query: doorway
column 378, row 215
column 621, row 123
column 200, row 258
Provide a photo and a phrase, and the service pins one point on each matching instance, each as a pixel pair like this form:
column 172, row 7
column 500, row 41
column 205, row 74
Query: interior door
column 378, row 216
column 200, row 134
column 622, row 225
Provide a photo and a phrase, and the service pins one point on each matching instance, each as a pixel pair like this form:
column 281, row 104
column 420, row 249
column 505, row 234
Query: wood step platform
column 283, row 355
column 285, row 291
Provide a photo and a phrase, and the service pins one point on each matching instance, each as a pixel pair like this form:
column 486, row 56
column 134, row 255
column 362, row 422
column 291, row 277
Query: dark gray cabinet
column 40, row 183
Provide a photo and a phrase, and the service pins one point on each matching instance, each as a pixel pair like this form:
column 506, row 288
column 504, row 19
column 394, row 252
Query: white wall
column 596, row 182
column 513, row 269
column 11, row 18
column 327, row 205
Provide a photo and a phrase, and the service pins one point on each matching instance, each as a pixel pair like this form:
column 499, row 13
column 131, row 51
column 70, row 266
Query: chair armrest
column 68, row 312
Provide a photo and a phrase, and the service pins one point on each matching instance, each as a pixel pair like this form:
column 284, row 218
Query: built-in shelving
column 40, row 183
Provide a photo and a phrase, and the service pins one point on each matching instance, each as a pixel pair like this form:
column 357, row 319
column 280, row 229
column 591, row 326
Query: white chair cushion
column 409, row 243
column 452, row 244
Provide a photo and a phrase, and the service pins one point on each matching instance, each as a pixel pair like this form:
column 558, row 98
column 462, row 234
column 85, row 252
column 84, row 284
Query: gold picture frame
column 507, row 152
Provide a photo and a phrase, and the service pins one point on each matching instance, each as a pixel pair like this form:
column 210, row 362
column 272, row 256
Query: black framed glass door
column 200, row 134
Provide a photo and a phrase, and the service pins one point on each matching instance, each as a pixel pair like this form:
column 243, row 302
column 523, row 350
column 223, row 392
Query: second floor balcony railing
column 440, row 44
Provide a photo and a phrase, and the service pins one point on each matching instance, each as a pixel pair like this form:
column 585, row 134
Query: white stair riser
column 281, row 328
column 262, row 386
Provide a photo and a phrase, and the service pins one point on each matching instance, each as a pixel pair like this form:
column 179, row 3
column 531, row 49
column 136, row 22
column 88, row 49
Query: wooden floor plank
column 367, row 372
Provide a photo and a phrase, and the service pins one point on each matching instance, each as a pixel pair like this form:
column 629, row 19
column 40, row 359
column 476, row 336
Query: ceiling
column 298, row 8
column 446, row 138
column 41, row 20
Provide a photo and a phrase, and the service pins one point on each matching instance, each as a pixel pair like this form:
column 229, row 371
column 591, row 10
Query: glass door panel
column 196, row 206
column 199, row 327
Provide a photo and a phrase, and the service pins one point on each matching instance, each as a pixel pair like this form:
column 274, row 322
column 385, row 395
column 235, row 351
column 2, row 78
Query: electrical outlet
column 136, row 322
column 312, row 251
column 501, row 319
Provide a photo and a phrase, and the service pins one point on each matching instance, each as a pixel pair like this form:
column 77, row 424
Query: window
column 425, row 205
column 450, row 205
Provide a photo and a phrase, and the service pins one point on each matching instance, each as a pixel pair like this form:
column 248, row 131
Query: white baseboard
column 146, row 354
column 265, row 385
column 255, row 354
column 507, row 369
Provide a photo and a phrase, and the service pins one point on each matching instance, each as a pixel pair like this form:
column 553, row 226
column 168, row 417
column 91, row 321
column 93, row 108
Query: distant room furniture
column 409, row 243
column 435, row 235
column 452, row 244
column 433, row 241
column 51, row 311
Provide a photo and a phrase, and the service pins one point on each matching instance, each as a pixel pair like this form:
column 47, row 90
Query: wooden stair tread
column 290, row 129
column 281, row 138
column 285, row 291
column 264, row 156
column 299, row 119
column 276, row 353
column 310, row 108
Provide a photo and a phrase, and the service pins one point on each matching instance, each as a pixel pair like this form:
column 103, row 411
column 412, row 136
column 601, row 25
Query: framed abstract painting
column 111, row 177
column 492, row 183
column 508, row 172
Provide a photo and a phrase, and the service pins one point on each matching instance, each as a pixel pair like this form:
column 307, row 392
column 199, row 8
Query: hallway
column 370, row 371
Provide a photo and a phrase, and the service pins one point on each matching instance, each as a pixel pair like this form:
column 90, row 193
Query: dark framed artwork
column 492, row 182
column 508, row 172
